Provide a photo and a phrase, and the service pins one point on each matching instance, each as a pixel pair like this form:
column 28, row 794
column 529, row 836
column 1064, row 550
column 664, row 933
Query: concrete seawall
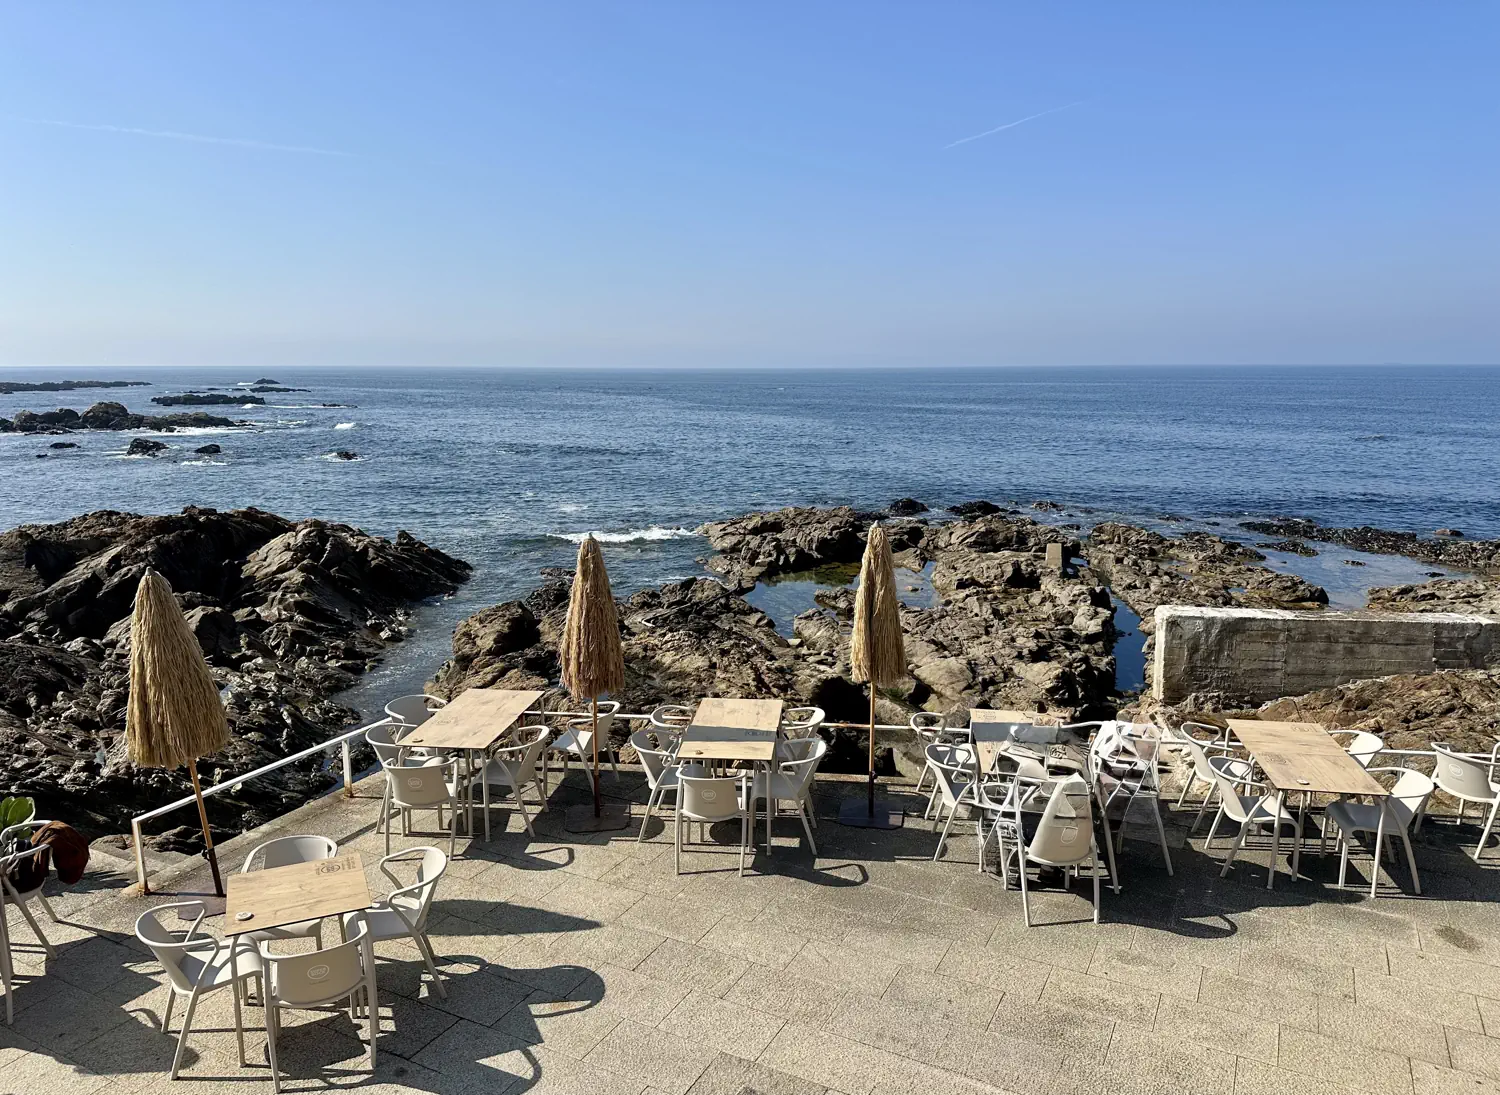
column 1254, row 655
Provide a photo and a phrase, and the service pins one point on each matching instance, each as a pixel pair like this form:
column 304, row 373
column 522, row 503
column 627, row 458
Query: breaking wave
column 655, row 532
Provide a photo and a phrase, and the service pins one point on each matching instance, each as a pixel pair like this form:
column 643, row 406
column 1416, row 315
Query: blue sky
column 748, row 184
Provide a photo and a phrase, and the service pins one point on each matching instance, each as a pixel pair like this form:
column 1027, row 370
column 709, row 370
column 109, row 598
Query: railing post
column 348, row 771
column 140, row 854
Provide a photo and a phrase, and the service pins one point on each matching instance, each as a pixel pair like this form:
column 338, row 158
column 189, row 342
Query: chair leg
column 47, row 905
column 1213, row 830
column 166, row 1012
column 387, row 834
column 1484, row 837
column 372, row 1014
column 1411, row 863
column 516, row 794
column 1203, row 807
column 1094, row 870
column 677, row 841
column 1344, row 859
column 936, row 855
column 1025, row 903
column 187, row 1023
column 745, row 825
column 1238, row 844
column 806, row 828
column 1186, row 787
column 37, row 928
column 237, row 987
column 424, row 945
column 650, row 802
column 273, row 1026
column 1161, row 834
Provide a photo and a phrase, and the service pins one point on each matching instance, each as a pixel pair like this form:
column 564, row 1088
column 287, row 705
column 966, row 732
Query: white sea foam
column 340, row 459
column 570, row 507
column 655, row 532
column 204, row 462
column 345, row 425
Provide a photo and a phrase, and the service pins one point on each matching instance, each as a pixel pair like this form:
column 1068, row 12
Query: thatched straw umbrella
column 175, row 715
column 593, row 662
column 876, row 654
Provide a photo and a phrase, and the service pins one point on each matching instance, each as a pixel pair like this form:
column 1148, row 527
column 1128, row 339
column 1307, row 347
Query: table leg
column 770, row 805
column 1379, row 848
column 1275, row 839
column 234, row 987
column 1297, row 848
column 469, row 792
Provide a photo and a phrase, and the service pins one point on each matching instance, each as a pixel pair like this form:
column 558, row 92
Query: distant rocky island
column 109, row 416
column 207, row 399
column 11, row 387
column 289, row 614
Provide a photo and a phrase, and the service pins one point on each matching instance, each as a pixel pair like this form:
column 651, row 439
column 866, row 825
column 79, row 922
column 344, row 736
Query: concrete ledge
column 1258, row 654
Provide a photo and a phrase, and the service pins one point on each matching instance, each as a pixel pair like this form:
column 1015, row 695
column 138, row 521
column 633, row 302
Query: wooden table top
column 1304, row 757
column 280, row 896
column 991, row 729
column 727, row 743
column 475, row 719
column 739, row 714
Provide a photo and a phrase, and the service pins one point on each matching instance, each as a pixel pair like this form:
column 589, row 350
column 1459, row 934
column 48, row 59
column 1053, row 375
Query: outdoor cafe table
column 277, row 896
column 472, row 722
column 734, row 730
column 1303, row 759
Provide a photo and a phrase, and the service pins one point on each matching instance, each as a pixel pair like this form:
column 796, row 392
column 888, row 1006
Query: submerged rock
column 287, row 613
column 1464, row 554
column 906, row 507
column 208, row 450
column 144, row 446
column 977, row 508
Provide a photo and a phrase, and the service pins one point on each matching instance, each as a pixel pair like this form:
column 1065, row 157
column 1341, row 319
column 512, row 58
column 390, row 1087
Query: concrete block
column 1260, row 654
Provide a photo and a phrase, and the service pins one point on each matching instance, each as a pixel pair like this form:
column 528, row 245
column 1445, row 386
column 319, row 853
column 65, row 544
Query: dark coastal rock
column 266, row 380
column 1464, row 554
column 1355, row 563
column 345, row 454
column 108, row 416
column 762, row 545
column 63, row 445
column 205, row 399
column 1450, row 532
column 208, row 450
column 144, row 446
column 1045, row 506
column 1476, row 595
column 11, row 387
column 1291, row 547
column 268, row 388
column 906, row 507
column 977, row 508
column 288, row 614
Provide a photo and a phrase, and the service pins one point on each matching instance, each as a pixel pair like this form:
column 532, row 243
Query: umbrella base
column 856, row 812
column 612, row 815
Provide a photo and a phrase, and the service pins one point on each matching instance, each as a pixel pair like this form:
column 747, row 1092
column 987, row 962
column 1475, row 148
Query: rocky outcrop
column 1445, row 549
column 144, row 446
column 288, row 614
column 108, row 416
column 784, row 541
column 1477, row 595
column 206, row 399
column 208, row 450
column 11, row 387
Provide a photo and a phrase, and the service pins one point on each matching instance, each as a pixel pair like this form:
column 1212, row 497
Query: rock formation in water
column 11, row 387
column 206, row 399
column 1482, row 555
column 288, row 614
column 108, row 416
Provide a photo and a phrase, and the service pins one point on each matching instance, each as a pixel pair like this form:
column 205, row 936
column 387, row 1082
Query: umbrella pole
column 208, row 840
column 872, row 751
column 594, row 737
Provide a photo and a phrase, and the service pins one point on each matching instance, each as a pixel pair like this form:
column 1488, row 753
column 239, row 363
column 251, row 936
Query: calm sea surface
column 506, row 468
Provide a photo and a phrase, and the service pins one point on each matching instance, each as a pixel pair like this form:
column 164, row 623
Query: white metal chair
column 1198, row 751
column 1406, row 803
column 709, row 800
column 930, row 728
column 282, row 852
column 1125, row 767
column 792, row 783
column 195, row 965
column 952, row 767
column 672, row 718
column 1362, row 745
column 515, row 768
column 1253, row 811
column 1064, row 835
column 402, row 914
column 415, row 709
column 661, row 769
column 1469, row 777
column 10, row 893
column 314, row 979
column 578, row 740
column 426, row 785
column 802, row 722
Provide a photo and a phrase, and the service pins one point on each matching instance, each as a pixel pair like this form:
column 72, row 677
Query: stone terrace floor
column 584, row 964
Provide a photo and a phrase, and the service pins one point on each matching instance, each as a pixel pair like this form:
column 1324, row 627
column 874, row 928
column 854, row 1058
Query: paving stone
column 1226, row 1031
column 1444, row 1004
column 730, row 1075
column 1001, row 1060
column 1165, row 1063
column 858, row 971
column 665, row 1060
column 1229, row 992
column 1255, row 1078
column 822, row 1058
column 1054, row 1026
column 1020, row 979
column 1489, row 1012
column 895, row 1030
column 697, row 969
column 786, row 993
column 1098, row 996
column 1432, row 1080
column 944, row 998
column 570, row 1027
column 1480, row 978
column 1173, row 978
column 1411, row 1035
column 905, row 948
column 681, row 918
column 728, row 1027
column 1475, row 1053
column 1360, row 1067
column 755, row 941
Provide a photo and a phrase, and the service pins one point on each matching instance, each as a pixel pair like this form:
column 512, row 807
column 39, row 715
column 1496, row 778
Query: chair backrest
column 320, row 976
column 801, row 772
column 1365, row 747
column 420, row 785
column 713, row 798
column 1461, row 775
column 584, row 726
column 1065, row 832
column 928, row 725
column 654, row 761
column 169, row 945
column 1028, row 762
column 383, row 739
column 286, row 850
column 415, row 901
column 1410, row 794
column 671, row 716
column 1230, row 773
column 520, row 760
column 414, row 710
column 953, row 767
column 801, row 722
column 1190, row 745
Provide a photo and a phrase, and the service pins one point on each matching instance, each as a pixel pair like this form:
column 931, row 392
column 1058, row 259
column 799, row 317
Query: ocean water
column 509, row 468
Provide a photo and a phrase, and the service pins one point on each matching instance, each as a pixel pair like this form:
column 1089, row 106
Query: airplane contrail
column 1012, row 125
column 174, row 135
